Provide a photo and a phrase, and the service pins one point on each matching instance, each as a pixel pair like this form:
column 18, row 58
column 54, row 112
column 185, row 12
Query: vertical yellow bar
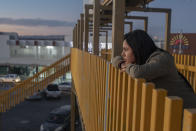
column 181, row 62
column 146, row 103
column 104, row 88
column 194, row 87
column 98, row 94
column 178, row 59
column 119, row 100
column 189, row 122
column 1, row 102
column 184, row 63
column 130, row 91
column 191, row 72
column 158, row 106
column 173, row 113
column 115, row 99
column 123, row 107
column 110, row 102
column 9, row 100
column 137, row 104
column 188, row 64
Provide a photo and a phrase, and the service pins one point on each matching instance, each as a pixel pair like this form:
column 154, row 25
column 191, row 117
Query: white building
column 30, row 52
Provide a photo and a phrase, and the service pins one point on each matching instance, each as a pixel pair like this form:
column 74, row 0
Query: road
column 28, row 115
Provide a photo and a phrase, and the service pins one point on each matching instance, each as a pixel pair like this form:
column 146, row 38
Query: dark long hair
column 141, row 44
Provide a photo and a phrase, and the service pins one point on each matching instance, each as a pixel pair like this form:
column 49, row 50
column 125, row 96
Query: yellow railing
column 186, row 64
column 106, row 54
column 39, row 81
column 110, row 100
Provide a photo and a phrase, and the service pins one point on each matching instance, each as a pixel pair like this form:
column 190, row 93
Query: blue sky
column 48, row 17
column 183, row 17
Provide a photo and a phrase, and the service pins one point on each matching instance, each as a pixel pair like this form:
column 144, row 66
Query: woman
column 141, row 58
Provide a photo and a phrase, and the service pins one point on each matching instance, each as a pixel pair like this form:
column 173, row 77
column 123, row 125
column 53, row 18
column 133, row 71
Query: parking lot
column 29, row 115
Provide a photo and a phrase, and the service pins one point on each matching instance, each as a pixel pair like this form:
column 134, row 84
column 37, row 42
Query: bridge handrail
column 186, row 64
column 28, row 87
column 111, row 100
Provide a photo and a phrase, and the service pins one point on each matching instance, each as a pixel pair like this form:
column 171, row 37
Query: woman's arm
column 157, row 66
column 117, row 61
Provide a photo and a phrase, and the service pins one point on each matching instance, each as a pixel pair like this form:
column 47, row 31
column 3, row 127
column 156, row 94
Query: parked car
column 10, row 78
column 58, row 119
column 52, row 91
column 65, row 86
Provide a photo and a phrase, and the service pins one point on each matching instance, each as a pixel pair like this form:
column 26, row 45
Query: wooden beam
column 96, row 23
column 131, row 26
column 81, row 30
column 101, row 16
column 101, row 28
column 117, row 26
column 136, row 17
column 74, row 37
column 160, row 10
column 90, row 6
column 167, row 30
column 90, row 25
column 86, row 33
column 106, row 40
column 78, row 34
column 146, row 24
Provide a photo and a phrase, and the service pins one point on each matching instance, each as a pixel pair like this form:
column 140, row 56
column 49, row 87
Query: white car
column 10, row 78
column 58, row 120
column 65, row 86
column 52, row 91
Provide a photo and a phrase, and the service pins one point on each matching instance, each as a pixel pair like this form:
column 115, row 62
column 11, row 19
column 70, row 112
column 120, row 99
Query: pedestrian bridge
column 111, row 100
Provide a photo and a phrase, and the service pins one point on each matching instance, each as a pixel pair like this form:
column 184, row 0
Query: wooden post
column 158, row 106
column 146, row 106
column 189, row 120
column 124, row 101
column 137, row 104
column 78, row 34
column 73, row 38
column 167, row 29
column 146, row 24
column 86, row 37
column 168, row 20
column 131, row 26
column 130, row 92
column 106, row 44
column 173, row 113
column 96, row 23
column 81, row 30
column 117, row 26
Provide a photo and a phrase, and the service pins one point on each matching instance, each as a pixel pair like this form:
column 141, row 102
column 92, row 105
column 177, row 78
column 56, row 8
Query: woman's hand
column 123, row 67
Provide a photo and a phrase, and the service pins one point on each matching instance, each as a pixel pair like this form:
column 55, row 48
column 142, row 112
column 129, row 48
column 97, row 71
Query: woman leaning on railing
column 141, row 58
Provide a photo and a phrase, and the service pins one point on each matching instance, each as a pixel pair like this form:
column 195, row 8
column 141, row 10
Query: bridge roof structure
column 133, row 3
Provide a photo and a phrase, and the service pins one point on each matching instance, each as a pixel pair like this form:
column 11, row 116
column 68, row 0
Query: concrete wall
column 4, row 48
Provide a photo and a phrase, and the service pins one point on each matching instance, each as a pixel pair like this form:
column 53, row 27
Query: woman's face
column 127, row 53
